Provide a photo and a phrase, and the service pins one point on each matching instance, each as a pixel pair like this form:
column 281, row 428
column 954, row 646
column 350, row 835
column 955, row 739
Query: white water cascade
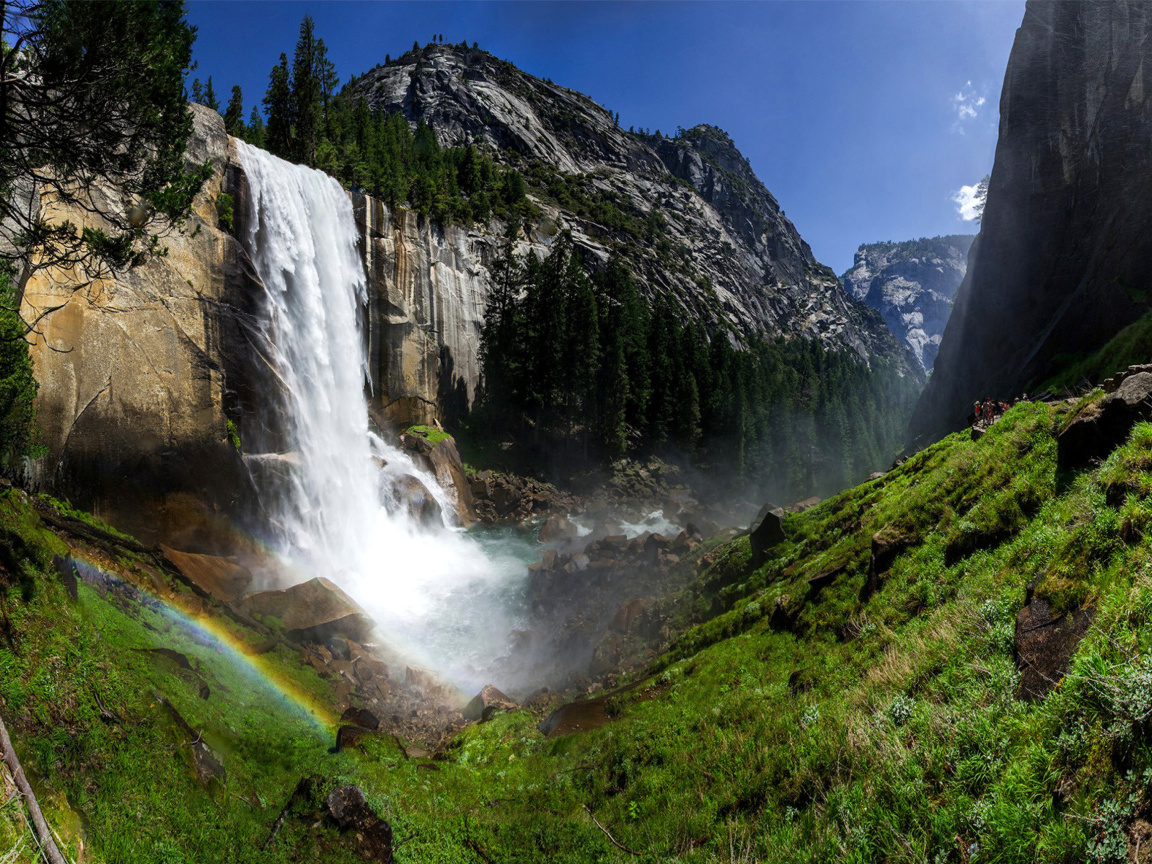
column 440, row 597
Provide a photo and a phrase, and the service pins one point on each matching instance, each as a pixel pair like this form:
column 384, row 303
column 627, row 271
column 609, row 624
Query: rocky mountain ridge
column 911, row 283
column 1060, row 265
column 694, row 221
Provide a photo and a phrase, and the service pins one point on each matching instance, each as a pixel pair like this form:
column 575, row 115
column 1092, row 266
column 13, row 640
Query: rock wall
column 911, row 284
column 134, row 370
column 1061, row 262
column 428, row 285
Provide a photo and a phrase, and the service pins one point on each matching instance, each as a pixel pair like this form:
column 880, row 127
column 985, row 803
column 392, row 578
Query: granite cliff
column 687, row 213
column 1061, row 263
column 911, row 284
column 136, row 371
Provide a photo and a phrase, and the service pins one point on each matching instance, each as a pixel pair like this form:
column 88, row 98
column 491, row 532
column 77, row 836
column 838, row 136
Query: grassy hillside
column 869, row 718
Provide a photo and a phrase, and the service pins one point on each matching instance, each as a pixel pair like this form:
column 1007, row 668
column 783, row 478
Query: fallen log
column 43, row 831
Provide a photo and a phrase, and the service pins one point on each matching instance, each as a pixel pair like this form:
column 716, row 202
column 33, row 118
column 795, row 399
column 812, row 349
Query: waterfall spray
column 330, row 502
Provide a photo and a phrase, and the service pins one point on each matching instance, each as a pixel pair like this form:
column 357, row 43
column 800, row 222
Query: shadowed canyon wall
column 1061, row 262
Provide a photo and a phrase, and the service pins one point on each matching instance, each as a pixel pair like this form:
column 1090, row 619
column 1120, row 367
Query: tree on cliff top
column 91, row 95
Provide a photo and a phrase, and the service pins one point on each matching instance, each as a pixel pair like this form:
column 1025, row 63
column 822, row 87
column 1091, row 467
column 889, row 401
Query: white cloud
column 967, row 104
column 969, row 201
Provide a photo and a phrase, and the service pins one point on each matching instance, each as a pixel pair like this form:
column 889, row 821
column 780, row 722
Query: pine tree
column 305, row 93
column 328, row 80
column 234, row 116
column 254, row 132
column 197, row 91
column 210, row 100
column 278, row 107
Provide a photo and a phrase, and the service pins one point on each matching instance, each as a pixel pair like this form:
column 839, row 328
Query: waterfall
column 327, row 482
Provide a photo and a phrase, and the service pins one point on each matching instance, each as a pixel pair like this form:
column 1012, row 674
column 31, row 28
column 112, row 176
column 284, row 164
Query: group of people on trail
column 988, row 411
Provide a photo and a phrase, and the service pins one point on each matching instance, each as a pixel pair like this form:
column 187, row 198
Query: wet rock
column 546, row 563
column 766, row 532
column 558, row 529
column 1104, row 425
column 313, row 611
column 417, row 501
column 443, row 460
column 419, row 679
column 485, row 704
column 1044, row 645
column 577, row 563
column 629, row 614
column 212, row 575
column 350, row 811
column 875, row 475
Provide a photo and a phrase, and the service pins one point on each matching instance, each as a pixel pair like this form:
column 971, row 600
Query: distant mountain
column 911, row 284
column 687, row 213
column 1061, row 264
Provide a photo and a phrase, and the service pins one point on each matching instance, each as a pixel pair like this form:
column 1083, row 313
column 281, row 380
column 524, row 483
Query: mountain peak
column 686, row 212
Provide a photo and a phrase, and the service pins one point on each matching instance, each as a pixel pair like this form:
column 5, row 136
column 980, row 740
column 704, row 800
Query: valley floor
column 901, row 679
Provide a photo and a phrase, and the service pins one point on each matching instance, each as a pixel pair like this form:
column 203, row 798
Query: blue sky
column 863, row 118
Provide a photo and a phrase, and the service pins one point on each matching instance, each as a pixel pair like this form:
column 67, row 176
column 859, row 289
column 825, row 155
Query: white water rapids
column 441, row 598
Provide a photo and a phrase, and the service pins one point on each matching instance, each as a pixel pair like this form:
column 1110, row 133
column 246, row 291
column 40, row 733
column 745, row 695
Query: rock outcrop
column 696, row 223
column 1102, row 426
column 912, row 285
column 1061, row 262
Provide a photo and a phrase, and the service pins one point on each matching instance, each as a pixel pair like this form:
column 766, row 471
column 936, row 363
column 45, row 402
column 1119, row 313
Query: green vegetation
column 115, row 71
column 784, row 723
column 224, row 210
column 309, row 122
column 577, row 368
column 18, row 387
column 434, row 435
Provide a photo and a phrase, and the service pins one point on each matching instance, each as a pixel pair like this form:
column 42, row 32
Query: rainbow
column 203, row 628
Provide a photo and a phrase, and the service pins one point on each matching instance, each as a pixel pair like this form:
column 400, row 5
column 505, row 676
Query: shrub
column 224, row 210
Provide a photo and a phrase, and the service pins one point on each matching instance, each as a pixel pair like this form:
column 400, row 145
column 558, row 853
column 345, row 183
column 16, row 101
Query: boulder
column 485, row 704
column 558, row 529
column 415, row 498
column 348, row 735
column 438, row 455
column 1044, row 645
column 629, row 614
column 801, row 506
column 1102, row 426
column 766, row 532
column 210, row 574
column 361, row 717
column 313, row 611
column 349, row 809
column 887, row 543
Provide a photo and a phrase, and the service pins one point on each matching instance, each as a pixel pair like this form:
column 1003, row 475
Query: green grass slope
column 861, row 720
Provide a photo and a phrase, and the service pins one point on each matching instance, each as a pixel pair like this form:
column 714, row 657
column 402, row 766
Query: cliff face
column 911, row 284
column 133, row 369
column 1061, row 262
column 712, row 236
